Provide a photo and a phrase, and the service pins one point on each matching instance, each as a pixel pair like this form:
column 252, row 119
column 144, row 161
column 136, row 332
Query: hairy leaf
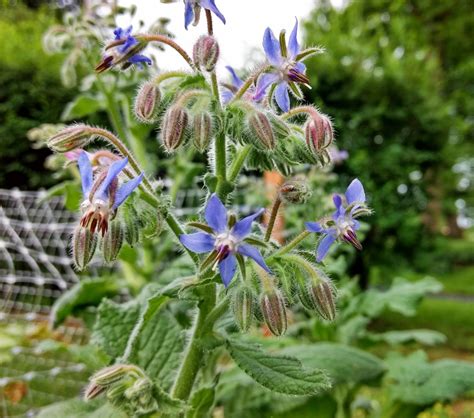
column 201, row 403
column 422, row 336
column 77, row 408
column 276, row 372
column 81, row 106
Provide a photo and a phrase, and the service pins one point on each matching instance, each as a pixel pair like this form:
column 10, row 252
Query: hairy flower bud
column 318, row 133
column 132, row 227
column 294, row 192
column 111, row 374
column 93, row 390
column 112, row 241
column 272, row 305
column 147, row 101
column 206, row 53
column 243, row 307
column 84, row 243
column 174, row 127
column 202, row 131
column 261, row 127
column 70, row 138
column 319, row 295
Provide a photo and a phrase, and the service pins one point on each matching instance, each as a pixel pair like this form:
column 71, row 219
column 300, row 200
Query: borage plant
column 239, row 270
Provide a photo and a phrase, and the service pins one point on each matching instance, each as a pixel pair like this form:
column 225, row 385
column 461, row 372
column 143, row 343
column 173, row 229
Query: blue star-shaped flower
column 224, row 241
column 285, row 68
column 229, row 90
column 342, row 225
column 102, row 197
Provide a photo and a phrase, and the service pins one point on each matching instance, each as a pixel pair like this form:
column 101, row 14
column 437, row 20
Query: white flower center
column 226, row 239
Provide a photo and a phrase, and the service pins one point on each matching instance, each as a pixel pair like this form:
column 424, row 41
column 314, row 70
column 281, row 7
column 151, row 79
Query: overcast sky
column 246, row 22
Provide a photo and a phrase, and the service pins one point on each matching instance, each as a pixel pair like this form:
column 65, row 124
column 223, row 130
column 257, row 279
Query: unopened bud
column 320, row 296
column 272, row 305
column 206, row 53
column 319, row 133
column 261, row 127
column 112, row 241
column 84, row 243
column 111, row 374
column 70, row 138
column 93, row 390
column 202, row 131
column 243, row 307
column 132, row 227
column 147, row 101
column 294, row 192
column 174, row 127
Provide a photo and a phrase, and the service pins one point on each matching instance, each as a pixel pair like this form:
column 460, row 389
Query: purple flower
column 230, row 89
column 342, row 225
column 103, row 196
column 286, row 69
column 125, row 53
column 224, row 242
column 192, row 11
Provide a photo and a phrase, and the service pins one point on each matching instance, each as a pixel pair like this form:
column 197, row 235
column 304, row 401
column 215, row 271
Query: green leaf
column 113, row 326
column 415, row 381
column 81, row 106
column 278, row 373
column 85, row 293
column 422, row 336
column 77, row 408
column 71, row 192
column 342, row 363
column 201, row 403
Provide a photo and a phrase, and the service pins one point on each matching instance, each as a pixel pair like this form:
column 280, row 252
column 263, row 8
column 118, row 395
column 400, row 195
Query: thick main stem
column 273, row 216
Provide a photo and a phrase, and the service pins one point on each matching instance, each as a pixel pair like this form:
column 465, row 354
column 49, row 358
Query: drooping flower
column 103, row 195
column 233, row 87
column 125, row 50
column 342, row 225
column 192, row 11
column 225, row 242
column 287, row 70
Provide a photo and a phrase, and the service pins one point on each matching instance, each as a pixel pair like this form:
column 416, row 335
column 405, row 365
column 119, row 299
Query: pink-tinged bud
column 202, row 131
column 272, row 305
column 319, row 133
column 319, row 295
column 84, row 243
column 294, row 192
column 70, row 138
column 206, row 53
column 93, row 390
column 262, row 128
column 112, row 241
column 174, row 127
column 147, row 102
column 243, row 307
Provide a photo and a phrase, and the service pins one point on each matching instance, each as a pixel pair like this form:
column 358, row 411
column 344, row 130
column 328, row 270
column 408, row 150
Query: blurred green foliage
column 30, row 94
column 396, row 79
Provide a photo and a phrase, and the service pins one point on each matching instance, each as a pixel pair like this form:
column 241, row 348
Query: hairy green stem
column 250, row 80
column 273, row 215
column 292, row 244
column 239, row 160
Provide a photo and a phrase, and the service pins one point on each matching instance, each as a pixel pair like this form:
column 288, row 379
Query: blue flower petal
column 211, row 5
column 199, row 242
column 216, row 214
column 324, row 246
column 263, row 82
column 314, row 227
column 293, row 46
column 272, row 48
column 355, row 192
column 139, row 59
column 243, row 227
column 252, row 252
column 129, row 42
column 236, row 80
column 300, row 67
column 281, row 96
column 227, row 269
column 188, row 14
column 226, row 96
column 112, row 173
column 125, row 190
column 85, row 169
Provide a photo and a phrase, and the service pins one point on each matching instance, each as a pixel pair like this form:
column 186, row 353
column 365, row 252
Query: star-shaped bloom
column 342, row 225
column 230, row 89
column 192, row 11
column 286, row 68
column 225, row 242
column 125, row 50
column 103, row 195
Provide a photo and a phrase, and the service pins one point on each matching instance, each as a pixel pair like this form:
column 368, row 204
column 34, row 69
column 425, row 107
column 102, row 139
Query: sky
column 238, row 39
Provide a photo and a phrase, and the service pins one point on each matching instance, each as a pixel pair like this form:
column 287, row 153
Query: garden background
column 397, row 78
